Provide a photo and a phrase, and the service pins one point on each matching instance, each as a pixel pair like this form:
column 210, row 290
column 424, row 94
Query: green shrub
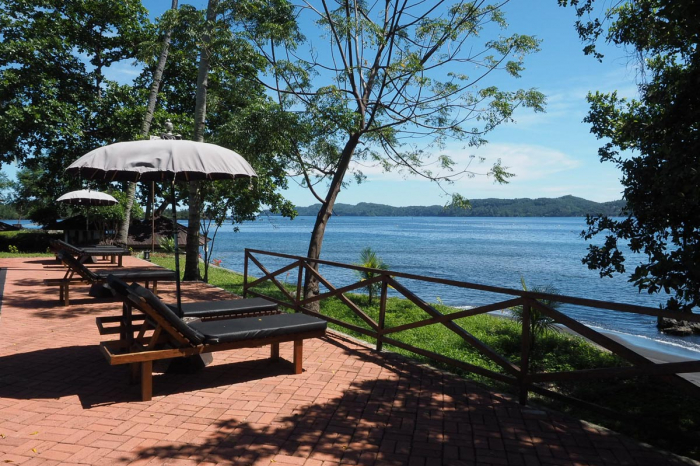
column 26, row 240
column 540, row 324
column 13, row 249
column 370, row 260
column 167, row 244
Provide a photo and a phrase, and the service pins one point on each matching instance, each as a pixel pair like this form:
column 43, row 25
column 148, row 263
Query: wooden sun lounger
column 171, row 337
column 78, row 273
column 203, row 310
column 84, row 253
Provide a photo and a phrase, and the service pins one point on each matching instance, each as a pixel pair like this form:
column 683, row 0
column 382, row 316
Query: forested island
column 565, row 206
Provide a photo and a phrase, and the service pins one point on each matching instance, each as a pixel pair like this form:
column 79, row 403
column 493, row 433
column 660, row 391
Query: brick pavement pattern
column 61, row 403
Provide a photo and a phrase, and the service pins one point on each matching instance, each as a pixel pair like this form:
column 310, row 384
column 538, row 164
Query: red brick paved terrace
column 61, row 403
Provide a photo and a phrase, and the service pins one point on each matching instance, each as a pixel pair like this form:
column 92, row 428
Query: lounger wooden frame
column 69, row 279
column 140, row 352
column 114, row 253
column 110, row 325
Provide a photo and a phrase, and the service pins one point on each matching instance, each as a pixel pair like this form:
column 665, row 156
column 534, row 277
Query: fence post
column 524, row 352
column 382, row 313
column 245, row 273
column 299, row 279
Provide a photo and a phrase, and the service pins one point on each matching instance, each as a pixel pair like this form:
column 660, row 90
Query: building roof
column 140, row 233
column 7, row 227
column 139, row 230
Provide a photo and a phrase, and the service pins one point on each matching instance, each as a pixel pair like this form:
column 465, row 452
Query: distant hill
column 566, row 206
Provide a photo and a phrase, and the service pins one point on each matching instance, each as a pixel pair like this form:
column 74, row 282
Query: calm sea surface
column 489, row 251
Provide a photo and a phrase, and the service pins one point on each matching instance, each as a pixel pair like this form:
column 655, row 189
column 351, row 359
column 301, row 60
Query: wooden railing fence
column 518, row 375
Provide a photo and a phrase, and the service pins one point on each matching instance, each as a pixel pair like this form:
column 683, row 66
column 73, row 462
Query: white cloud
column 528, row 162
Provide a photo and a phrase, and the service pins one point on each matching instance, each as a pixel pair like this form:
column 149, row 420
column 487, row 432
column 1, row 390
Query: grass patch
column 658, row 413
column 4, row 255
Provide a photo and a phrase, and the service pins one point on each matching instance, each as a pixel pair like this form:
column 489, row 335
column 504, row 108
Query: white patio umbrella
column 87, row 197
column 162, row 160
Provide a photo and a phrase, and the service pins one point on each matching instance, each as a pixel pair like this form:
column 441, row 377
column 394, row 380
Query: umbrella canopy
column 161, row 160
column 87, row 197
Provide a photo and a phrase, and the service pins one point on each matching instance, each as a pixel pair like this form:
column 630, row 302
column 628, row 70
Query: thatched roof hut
column 77, row 231
column 140, row 233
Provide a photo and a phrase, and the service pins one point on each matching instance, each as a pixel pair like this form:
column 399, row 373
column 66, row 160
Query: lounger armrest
column 115, row 353
column 110, row 325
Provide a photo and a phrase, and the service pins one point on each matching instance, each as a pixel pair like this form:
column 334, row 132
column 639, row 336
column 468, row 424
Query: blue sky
column 552, row 153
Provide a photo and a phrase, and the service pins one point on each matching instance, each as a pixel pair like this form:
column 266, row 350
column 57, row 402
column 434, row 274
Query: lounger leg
column 275, row 351
column 155, row 287
column 64, row 294
column 134, row 373
column 119, row 261
column 146, row 380
column 298, row 351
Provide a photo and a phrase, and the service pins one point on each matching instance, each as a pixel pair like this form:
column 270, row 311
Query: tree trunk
column 324, row 214
column 200, row 113
column 123, row 232
column 192, row 247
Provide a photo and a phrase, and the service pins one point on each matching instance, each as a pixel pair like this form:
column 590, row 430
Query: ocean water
column 488, row 251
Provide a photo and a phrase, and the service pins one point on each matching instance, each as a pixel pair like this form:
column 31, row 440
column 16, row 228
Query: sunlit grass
column 24, row 254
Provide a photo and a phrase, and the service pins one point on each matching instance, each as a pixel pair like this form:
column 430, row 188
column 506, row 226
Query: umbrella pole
column 177, row 251
column 153, row 217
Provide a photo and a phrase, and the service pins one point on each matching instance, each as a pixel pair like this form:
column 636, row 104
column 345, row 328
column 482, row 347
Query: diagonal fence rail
column 520, row 375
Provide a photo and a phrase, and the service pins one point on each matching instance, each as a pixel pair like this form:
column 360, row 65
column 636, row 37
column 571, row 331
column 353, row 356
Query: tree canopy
column 654, row 140
column 389, row 83
column 58, row 104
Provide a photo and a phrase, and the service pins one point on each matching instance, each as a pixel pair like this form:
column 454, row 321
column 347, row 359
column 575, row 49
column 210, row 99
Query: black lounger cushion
column 67, row 247
column 205, row 309
column 118, row 285
column 253, row 328
column 105, row 250
column 209, row 309
column 143, row 274
column 191, row 334
column 132, row 274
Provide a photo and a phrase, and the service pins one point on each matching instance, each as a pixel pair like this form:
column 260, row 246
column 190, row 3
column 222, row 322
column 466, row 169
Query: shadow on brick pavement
column 61, row 403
